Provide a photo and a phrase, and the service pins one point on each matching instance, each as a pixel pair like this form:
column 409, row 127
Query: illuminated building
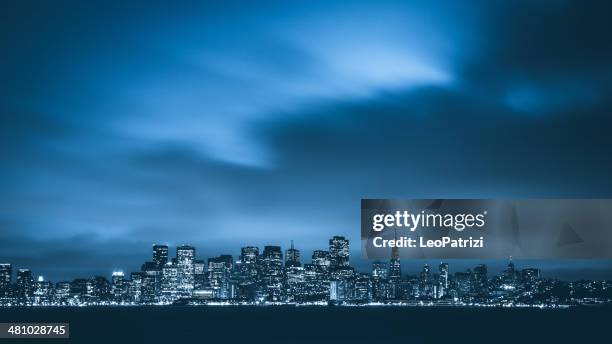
column 338, row 252
column 293, row 257
column 25, row 284
column 6, row 276
column 272, row 272
column 160, row 255
column 185, row 258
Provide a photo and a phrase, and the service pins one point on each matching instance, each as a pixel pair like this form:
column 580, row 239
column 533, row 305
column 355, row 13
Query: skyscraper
column 272, row 272
column 185, row 258
column 101, row 288
column 379, row 270
column 395, row 268
column 43, row 291
column 25, row 284
column 442, row 279
column 169, row 283
column 199, row 274
column 292, row 257
column 6, row 275
column 119, row 286
column 338, row 252
column 249, row 256
column 160, row 255
column 321, row 261
column 480, row 282
column 219, row 270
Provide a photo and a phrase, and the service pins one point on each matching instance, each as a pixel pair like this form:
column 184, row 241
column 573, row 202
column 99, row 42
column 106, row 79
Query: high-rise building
column 119, row 286
column 362, row 288
column 379, row 270
column 219, row 271
column 169, row 283
column 78, row 289
column 442, row 279
column 185, row 258
column 25, row 284
column 199, row 274
column 43, row 291
column 151, row 281
column 292, row 257
column 510, row 274
column 321, row 261
column 6, row 275
column 272, row 272
column 480, row 281
column 62, row 292
column 135, row 286
column 338, row 252
column 101, row 289
column 249, row 257
column 160, row 255
column 425, row 282
column 395, row 267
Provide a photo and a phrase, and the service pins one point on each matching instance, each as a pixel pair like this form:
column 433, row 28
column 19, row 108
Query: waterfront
column 289, row 324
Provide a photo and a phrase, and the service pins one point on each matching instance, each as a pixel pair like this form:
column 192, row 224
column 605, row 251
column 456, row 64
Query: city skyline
column 280, row 277
column 566, row 269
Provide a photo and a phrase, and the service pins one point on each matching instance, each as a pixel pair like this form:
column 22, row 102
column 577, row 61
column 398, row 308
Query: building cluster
column 271, row 277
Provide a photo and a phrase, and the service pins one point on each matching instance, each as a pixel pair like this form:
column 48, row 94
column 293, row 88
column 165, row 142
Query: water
column 230, row 324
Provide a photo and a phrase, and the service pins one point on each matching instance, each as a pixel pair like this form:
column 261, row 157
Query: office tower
column 340, row 290
column 185, row 258
column 101, row 288
column 78, row 289
column 247, row 273
column 510, row 275
column 119, row 286
column 272, row 272
column 296, row 283
column 149, row 289
column 338, row 252
column 160, row 255
column 362, row 288
column 152, row 280
column 425, row 282
column 479, row 281
column 43, row 291
column 135, row 286
column 169, row 283
column 25, row 284
column 379, row 270
column 463, row 283
column 293, row 257
column 380, row 285
column 395, row 268
column 321, row 261
column 199, row 274
column 249, row 256
column 442, row 279
column 219, row 271
column 6, row 275
column 62, row 292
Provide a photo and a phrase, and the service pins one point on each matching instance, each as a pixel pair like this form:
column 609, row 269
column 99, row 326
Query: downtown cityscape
column 270, row 277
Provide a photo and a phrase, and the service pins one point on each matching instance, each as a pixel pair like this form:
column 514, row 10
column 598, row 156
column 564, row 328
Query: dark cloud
column 234, row 124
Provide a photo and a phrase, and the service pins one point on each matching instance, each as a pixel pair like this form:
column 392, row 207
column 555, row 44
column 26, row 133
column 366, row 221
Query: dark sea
column 288, row 324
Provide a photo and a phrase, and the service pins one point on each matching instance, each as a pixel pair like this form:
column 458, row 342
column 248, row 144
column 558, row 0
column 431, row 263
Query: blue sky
column 224, row 124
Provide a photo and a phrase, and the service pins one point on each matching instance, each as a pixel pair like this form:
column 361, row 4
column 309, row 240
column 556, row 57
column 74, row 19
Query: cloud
column 235, row 126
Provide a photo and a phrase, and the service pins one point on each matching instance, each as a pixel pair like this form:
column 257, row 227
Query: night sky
column 228, row 124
